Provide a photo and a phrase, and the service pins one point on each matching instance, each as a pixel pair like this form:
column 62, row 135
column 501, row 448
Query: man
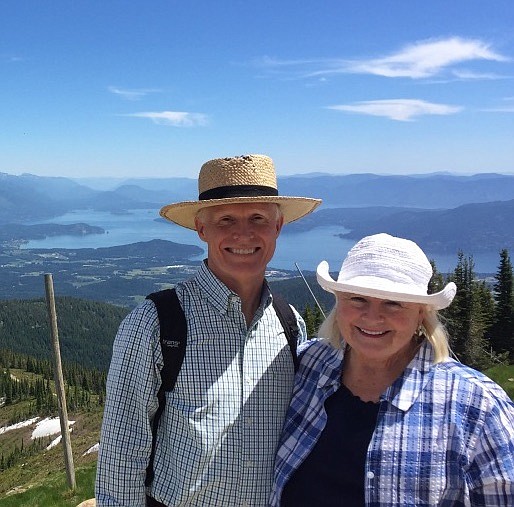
column 217, row 436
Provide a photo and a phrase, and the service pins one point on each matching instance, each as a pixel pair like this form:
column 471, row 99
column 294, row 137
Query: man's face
column 241, row 239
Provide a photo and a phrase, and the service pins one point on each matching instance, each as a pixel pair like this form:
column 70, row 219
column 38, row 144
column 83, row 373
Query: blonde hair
column 435, row 332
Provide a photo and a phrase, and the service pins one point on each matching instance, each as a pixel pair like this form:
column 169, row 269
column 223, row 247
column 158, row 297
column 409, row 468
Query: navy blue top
column 333, row 473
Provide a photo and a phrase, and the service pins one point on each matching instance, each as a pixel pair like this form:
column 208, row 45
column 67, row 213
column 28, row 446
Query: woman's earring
column 421, row 333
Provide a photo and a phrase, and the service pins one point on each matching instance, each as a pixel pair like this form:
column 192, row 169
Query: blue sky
column 155, row 88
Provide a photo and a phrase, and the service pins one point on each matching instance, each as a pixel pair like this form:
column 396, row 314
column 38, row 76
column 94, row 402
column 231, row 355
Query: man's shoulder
column 139, row 328
column 145, row 311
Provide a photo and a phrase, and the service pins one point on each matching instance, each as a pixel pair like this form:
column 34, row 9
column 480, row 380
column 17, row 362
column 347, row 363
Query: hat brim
column 438, row 300
column 293, row 208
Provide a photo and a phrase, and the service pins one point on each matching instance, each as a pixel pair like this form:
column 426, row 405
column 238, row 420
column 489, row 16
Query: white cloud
column 131, row 94
column 470, row 75
column 422, row 59
column 397, row 109
column 507, row 108
column 298, row 68
column 11, row 58
column 427, row 58
column 174, row 118
column 270, row 61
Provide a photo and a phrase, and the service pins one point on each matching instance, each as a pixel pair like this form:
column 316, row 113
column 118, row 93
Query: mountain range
column 477, row 228
column 25, row 196
column 442, row 212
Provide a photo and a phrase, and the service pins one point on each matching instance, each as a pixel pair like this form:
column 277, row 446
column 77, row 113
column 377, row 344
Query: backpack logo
column 171, row 343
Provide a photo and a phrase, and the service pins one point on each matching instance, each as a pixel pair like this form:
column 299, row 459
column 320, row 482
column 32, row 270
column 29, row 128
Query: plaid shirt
column 444, row 433
column 219, row 432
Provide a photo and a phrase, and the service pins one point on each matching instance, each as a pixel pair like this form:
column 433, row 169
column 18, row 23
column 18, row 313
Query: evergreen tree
column 308, row 317
column 313, row 318
column 481, row 319
column 318, row 319
column 501, row 334
column 8, row 393
column 437, row 281
column 465, row 319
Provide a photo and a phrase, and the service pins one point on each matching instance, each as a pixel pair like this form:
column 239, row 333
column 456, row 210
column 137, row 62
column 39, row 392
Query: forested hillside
column 298, row 293
column 479, row 320
column 28, row 400
column 86, row 329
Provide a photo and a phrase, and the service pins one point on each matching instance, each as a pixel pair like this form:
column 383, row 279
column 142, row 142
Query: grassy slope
column 503, row 375
column 40, row 481
column 54, row 490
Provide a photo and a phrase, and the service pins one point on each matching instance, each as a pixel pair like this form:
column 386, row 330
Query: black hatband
column 238, row 191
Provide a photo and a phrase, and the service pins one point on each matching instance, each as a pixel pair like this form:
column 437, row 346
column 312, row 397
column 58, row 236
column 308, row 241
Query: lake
column 307, row 249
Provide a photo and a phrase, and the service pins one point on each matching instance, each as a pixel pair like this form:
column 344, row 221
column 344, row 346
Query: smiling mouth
column 242, row 251
column 369, row 332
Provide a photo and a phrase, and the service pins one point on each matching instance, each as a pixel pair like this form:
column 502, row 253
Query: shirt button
column 370, row 475
column 248, row 421
column 248, row 463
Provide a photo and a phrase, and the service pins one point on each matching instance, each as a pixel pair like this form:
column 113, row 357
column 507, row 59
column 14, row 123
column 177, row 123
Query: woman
column 381, row 415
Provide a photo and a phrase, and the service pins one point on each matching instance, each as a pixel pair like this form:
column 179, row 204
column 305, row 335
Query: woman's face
column 377, row 329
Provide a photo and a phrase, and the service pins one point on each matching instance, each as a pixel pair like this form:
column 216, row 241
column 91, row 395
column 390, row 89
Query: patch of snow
column 92, row 449
column 54, row 442
column 19, row 425
column 47, row 427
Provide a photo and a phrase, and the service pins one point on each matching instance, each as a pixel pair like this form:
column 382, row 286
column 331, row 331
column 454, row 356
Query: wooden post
column 59, row 383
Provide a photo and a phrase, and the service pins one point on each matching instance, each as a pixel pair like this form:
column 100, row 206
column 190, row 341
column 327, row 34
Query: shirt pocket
column 432, row 480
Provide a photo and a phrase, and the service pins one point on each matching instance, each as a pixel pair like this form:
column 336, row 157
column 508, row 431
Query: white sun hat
column 386, row 267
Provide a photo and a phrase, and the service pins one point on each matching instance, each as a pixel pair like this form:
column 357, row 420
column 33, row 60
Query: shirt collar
column 408, row 386
column 330, row 367
column 219, row 295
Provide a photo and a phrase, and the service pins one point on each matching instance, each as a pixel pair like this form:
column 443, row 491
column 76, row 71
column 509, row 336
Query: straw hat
column 248, row 178
column 386, row 267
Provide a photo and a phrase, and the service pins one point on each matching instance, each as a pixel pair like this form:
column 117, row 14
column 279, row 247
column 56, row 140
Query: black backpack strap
column 289, row 323
column 173, row 338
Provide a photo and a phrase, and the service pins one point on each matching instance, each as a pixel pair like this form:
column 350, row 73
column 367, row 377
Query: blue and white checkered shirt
column 219, row 432
column 444, row 433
